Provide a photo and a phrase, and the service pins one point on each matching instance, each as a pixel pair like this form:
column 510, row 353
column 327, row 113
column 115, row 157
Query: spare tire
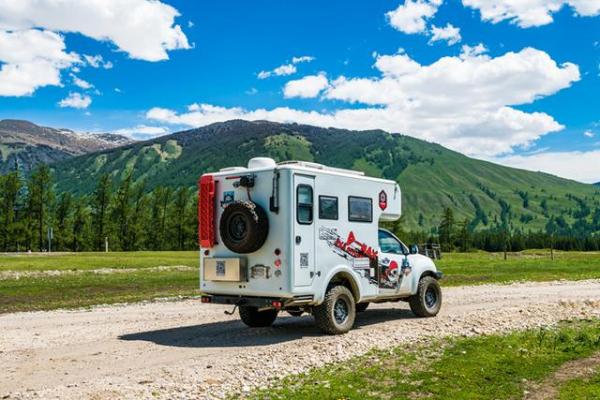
column 244, row 227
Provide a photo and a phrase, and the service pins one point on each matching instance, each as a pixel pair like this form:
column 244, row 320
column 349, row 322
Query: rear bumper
column 258, row 302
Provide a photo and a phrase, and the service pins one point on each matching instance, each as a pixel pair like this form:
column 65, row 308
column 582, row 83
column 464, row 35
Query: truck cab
column 303, row 237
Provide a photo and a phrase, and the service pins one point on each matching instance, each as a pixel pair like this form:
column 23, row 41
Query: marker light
column 277, row 263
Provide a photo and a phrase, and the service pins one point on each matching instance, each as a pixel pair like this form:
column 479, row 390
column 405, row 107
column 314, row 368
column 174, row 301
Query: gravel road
column 184, row 349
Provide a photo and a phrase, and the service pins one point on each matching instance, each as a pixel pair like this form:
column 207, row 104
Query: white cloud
column 31, row 59
column 582, row 166
column 286, row 69
column 143, row 132
column 97, row 61
column 76, row 100
column 449, row 33
column 309, row 86
column 462, row 102
column 589, row 134
column 531, row 12
column 118, row 90
column 411, row 17
column 81, row 83
column 143, row 29
column 282, row 70
column 302, row 59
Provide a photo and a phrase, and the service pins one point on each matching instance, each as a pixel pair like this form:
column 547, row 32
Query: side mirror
column 414, row 249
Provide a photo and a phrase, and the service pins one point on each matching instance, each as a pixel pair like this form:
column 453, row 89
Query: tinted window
column 360, row 209
column 389, row 244
column 328, row 207
column 304, row 204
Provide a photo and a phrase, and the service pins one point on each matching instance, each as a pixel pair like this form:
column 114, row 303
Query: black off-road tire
column 244, row 227
column 362, row 307
column 428, row 299
column 257, row 319
column 328, row 315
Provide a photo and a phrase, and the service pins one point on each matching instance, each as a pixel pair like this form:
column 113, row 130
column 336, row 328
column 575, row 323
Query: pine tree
column 180, row 205
column 64, row 221
column 100, row 211
column 41, row 199
column 121, row 213
column 464, row 235
column 446, row 230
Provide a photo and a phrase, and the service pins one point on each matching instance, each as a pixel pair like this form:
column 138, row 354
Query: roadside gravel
column 184, row 349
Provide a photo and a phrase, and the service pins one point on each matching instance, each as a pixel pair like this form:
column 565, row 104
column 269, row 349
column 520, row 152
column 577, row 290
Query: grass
column 581, row 389
column 484, row 367
column 84, row 287
column 530, row 265
column 86, row 261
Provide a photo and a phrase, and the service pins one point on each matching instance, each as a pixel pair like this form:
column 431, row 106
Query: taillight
column 206, row 211
column 276, row 304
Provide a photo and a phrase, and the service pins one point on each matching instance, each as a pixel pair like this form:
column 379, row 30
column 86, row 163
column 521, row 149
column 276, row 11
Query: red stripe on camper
column 206, row 211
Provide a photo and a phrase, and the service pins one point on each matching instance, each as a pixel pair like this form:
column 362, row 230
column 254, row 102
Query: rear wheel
column 428, row 299
column 257, row 319
column 337, row 312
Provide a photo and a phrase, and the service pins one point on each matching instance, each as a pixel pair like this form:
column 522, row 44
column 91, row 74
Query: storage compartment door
column 304, row 230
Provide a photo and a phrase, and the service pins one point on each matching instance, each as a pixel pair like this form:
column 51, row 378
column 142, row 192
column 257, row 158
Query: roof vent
column 261, row 163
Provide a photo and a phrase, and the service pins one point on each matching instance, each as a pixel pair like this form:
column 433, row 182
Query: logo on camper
column 383, row 200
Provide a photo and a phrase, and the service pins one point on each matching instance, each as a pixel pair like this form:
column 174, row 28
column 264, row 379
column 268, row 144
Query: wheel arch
column 343, row 276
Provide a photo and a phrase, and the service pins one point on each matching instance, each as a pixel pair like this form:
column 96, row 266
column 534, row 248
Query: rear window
column 304, row 204
column 360, row 209
column 328, row 207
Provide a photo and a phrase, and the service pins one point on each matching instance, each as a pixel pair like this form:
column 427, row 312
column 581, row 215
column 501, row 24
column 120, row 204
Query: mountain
column 28, row 144
column 431, row 176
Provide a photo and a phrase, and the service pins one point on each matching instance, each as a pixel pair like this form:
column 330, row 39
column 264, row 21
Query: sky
column 513, row 82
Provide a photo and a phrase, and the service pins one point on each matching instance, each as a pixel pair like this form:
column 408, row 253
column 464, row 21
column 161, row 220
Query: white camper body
column 323, row 231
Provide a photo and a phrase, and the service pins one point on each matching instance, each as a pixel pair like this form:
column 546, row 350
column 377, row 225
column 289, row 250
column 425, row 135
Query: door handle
column 298, row 239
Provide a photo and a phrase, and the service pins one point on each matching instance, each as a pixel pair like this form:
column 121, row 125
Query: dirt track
column 186, row 349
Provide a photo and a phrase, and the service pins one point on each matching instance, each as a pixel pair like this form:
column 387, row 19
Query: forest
column 126, row 216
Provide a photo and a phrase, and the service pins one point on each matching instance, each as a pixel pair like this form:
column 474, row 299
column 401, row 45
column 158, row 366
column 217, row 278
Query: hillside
column 431, row 176
column 27, row 144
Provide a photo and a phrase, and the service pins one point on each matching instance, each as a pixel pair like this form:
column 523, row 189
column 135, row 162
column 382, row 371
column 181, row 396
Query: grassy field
column 67, row 280
column 530, row 265
column 483, row 367
column 87, row 261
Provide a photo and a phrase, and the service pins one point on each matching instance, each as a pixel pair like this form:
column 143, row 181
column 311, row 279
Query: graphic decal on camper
column 349, row 248
column 384, row 272
column 390, row 273
column 383, row 200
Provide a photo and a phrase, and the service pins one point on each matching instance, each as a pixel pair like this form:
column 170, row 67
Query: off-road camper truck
column 303, row 237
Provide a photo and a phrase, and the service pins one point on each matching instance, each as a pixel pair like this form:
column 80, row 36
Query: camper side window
column 304, row 204
column 328, row 207
column 360, row 209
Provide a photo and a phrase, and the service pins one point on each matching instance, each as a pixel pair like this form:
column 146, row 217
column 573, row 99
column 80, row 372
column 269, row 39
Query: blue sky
column 516, row 86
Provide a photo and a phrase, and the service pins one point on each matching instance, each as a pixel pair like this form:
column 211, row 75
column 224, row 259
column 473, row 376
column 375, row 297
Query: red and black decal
column 383, row 200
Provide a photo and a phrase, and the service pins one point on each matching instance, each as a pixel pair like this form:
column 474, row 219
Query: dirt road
column 186, row 349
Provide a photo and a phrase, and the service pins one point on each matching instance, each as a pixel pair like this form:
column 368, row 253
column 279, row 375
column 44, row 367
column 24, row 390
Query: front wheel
column 428, row 299
column 337, row 312
column 257, row 319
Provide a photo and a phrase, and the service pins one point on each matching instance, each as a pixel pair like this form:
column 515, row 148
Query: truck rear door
column 304, row 230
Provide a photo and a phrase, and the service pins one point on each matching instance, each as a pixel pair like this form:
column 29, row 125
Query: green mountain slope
column 431, row 176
